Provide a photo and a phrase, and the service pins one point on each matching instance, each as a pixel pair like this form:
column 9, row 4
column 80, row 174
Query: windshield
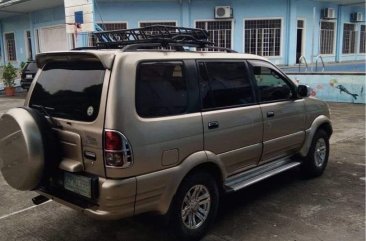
column 31, row 67
column 70, row 90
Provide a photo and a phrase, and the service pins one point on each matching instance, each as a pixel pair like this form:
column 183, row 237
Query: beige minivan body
column 235, row 144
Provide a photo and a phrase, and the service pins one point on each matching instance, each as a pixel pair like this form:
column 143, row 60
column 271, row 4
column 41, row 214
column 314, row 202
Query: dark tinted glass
column 31, row 67
column 161, row 89
column 271, row 84
column 224, row 84
column 70, row 90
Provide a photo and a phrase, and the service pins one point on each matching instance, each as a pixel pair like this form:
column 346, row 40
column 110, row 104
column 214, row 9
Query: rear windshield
column 70, row 90
column 31, row 67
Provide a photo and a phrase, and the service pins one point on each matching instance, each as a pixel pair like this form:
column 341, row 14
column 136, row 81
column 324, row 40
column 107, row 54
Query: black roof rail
column 152, row 37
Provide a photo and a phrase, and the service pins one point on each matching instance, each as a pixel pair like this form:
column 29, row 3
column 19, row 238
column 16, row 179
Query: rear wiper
column 45, row 112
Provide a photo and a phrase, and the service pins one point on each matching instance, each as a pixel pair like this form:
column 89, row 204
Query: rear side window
column 225, row 84
column 70, row 90
column 161, row 89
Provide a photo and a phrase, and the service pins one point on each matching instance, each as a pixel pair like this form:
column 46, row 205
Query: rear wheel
column 194, row 207
column 317, row 159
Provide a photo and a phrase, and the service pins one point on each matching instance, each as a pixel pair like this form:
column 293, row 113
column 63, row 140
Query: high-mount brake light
column 117, row 150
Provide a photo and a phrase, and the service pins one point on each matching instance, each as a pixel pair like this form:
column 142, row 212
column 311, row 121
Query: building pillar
column 185, row 15
column 339, row 34
column 291, row 33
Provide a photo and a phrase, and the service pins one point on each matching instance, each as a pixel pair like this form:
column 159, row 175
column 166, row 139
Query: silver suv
column 143, row 123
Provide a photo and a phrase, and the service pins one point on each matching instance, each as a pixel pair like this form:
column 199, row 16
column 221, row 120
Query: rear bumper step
column 258, row 174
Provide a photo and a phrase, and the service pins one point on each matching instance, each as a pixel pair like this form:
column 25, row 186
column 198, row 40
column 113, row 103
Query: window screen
column 224, row 84
column 161, row 89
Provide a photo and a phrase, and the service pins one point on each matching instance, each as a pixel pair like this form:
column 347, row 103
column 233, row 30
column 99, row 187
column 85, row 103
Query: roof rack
column 152, row 37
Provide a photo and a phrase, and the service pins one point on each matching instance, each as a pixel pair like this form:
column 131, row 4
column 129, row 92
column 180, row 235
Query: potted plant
column 9, row 75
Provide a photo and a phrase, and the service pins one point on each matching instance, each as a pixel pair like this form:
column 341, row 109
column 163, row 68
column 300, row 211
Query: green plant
column 9, row 75
column 21, row 66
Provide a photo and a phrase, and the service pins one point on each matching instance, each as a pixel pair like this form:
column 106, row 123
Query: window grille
column 10, row 47
column 349, row 38
column 106, row 27
column 220, row 32
column 300, row 24
column 363, row 39
column 263, row 37
column 327, row 30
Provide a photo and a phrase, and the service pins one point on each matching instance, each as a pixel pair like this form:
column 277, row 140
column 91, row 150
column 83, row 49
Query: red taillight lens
column 113, row 141
column 117, row 150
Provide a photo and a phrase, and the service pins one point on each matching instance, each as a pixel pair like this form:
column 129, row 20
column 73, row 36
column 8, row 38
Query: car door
column 232, row 119
column 283, row 112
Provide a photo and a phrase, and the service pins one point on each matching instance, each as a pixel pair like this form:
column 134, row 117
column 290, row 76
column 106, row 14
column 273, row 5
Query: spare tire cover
column 22, row 157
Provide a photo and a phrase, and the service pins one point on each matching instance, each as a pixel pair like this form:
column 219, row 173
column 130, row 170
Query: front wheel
column 317, row 159
column 194, row 207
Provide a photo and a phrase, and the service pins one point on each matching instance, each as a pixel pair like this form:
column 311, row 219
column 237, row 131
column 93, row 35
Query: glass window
column 263, row 37
column 106, row 27
column 349, row 38
column 327, row 32
column 10, row 47
column 272, row 86
column 224, row 84
column 363, row 39
column 70, row 90
column 161, row 89
column 220, row 32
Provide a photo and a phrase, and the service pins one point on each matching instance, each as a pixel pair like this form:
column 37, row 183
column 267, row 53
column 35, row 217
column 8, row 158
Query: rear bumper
column 116, row 199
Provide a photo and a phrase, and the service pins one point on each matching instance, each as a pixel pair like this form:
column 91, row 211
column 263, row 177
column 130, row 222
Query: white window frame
column 157, row 21
column 356, row 38
column 6, row 48
column 359, row 40
column 303, row 49
column 219, row 20
column 334, row 37
column 107, row 22
column 27, row 50
column 282, row 34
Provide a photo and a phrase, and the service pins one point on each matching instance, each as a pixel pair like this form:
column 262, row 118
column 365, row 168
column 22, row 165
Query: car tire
column 29, row 148
column 194, row 207
column 316, row 160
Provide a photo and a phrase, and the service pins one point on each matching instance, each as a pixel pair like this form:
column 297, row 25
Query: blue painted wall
column 185, row 13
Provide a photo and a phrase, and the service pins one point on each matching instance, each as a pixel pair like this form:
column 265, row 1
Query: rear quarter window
column 161, row 89
column 70, row 90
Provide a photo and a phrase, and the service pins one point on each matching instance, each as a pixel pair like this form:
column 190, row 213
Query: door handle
column 213, row 124
column 270, row 114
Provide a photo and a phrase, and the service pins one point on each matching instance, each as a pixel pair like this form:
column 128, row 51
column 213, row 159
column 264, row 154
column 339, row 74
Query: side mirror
column 303, row 91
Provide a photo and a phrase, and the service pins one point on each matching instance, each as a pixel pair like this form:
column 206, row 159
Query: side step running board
column 257, row 174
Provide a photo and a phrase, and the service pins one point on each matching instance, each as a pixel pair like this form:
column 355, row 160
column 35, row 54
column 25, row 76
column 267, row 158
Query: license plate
column 78, row 184
column 28, row 76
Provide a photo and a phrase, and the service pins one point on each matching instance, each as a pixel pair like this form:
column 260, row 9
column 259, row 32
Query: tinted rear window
column 70, row 90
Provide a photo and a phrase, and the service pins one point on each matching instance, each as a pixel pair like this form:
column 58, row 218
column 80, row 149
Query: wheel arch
column 321, row 122
column 172, row 178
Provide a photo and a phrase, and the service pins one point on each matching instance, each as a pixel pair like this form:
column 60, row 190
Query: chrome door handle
column 213, row 124
column 270, row 114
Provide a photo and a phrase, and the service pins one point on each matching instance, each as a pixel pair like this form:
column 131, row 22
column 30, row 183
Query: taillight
column 117, row 150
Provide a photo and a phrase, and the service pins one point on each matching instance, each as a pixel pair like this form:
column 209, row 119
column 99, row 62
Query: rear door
column 71, row 92
column 283, row 113
column 232, row 119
